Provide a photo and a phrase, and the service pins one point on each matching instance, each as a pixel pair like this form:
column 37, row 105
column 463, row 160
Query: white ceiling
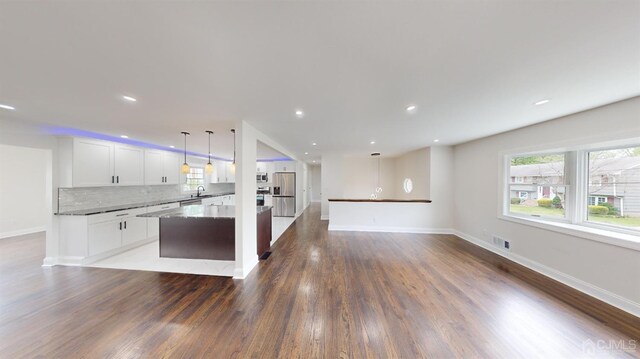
column 473, row 68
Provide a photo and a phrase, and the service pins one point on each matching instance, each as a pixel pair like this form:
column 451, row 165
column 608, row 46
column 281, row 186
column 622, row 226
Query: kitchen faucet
column 198, row 190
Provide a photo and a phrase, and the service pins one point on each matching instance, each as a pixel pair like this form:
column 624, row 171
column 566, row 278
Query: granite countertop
column 200, row 211
column 90, row 211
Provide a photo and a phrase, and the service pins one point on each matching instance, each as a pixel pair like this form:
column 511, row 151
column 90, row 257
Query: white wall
column 360, row 177
column 22, row 133
column 332, row 180
column 355, row 177
column 23, row 190
column 316, row 183
column 416, row 166
column 603, row 268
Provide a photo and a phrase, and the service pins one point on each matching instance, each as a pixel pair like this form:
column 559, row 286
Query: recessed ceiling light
column 373, row 142
column 412, row 108
column 172, row 146
column 314, row 144
column 129, row 98
column 7, row 107
column 436, row 140
column 299, row 113
column 541, row 102
column 313, row 161
column 306, row 153
column 124, row 136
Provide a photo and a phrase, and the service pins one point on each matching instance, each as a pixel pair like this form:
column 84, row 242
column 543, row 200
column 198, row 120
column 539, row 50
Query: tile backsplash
column 74, row 199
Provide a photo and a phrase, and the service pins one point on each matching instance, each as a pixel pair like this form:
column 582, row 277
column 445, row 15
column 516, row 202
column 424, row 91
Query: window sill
column 595, row 234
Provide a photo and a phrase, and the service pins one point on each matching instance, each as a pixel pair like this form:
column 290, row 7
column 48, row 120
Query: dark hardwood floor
column 319, row 295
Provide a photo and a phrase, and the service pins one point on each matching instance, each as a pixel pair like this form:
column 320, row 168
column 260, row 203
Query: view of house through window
column 537, row 185
column 193, row 179
column 614, row 187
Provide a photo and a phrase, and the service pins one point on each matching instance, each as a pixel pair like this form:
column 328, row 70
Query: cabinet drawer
column 117, row 215
column 162, row 207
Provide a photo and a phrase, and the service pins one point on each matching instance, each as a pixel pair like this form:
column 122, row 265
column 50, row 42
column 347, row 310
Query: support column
column 246, row 220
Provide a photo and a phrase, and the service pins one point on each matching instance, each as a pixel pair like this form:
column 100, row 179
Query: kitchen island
column 206, row 231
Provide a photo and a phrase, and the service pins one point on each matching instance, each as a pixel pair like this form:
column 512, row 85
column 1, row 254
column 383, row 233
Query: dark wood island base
column 207, row 232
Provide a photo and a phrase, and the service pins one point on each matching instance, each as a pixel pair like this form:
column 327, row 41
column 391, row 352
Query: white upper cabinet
column 101, row 163
column 231, row 172
column 171, row 165
column 161, row 167
column 129, row 165
column 153, row 167
column 92, row 163
column 261, row 167
column 284, row 166
column 223, row 172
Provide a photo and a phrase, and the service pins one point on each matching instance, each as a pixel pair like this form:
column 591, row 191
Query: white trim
column 324, row 217
column 628, row 241
column 22, row 232
column 240, row 273
column 575, row 283
column 49, row 261
column 119, row 250
column 333, row 227
column 72, row 261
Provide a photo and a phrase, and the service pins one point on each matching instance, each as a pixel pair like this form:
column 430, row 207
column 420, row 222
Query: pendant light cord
column 234, row 145
column 378, row 172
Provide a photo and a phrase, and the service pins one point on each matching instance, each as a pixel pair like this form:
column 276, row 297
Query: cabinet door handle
column 122, row 214
column 125, row 224
column 113, row 180
column 117, row 179
column 120, row 225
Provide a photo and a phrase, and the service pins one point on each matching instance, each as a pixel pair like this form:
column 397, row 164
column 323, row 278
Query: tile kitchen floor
column 146, row 257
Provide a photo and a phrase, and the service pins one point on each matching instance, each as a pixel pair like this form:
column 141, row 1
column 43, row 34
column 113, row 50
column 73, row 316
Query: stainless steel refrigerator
column 284, row 194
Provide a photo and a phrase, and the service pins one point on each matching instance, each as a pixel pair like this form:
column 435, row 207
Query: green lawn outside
column 543, row 211
column 555, row 212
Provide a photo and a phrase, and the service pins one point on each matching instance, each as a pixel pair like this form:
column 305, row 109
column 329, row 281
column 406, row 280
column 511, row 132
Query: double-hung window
column 193, row 179
column 537, row 186
column 614, row 201
column 588, row 187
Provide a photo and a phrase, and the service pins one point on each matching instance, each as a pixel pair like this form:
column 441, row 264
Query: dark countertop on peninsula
column 90, row 211
column 381, row 200
column 200, row 211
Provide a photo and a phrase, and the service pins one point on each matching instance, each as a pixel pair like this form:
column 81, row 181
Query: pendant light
column 209, row 167
column 232, row 166
column 378, row 189
column 185, row 166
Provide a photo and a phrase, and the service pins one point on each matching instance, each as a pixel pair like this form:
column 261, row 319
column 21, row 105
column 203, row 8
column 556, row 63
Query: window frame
column 506, row 167
column 576, row 201
column 584, row 193
column 185, row 178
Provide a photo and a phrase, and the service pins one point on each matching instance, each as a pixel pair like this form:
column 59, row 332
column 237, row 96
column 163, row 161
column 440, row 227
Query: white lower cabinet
column 109, row 231
column 226, row 200
column 153, row 224
column 104, row 237
column 134, row 229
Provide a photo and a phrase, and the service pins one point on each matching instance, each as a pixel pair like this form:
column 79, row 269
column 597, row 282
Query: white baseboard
column 49, row 261
column 240, row 273
column 74, row 261
column 333, row 227
column 575, row 283
column 324, row 218
column 22, row 232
